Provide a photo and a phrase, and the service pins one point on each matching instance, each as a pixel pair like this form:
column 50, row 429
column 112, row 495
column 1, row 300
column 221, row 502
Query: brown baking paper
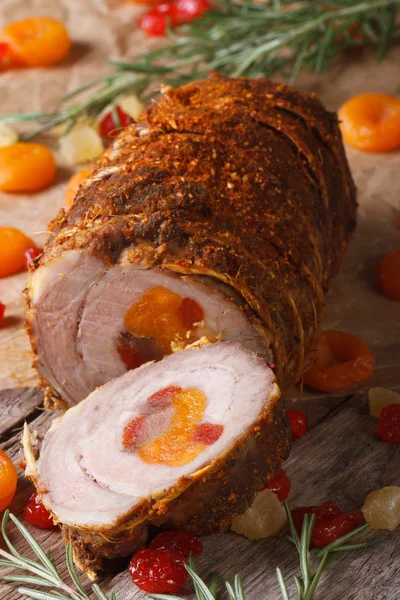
column 101, row 31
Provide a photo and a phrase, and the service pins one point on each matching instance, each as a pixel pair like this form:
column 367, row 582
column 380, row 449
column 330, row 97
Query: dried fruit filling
column 176, row 415
column 158, row 319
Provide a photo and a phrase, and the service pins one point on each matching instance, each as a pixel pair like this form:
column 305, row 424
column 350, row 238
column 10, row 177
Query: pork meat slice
column 185, row 442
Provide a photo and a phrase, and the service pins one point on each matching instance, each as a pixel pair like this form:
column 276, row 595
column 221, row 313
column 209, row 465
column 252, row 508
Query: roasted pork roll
column 224, row 213
column 185, row 442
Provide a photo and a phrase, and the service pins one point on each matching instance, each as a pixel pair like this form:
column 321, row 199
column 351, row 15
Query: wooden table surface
column 340, row 458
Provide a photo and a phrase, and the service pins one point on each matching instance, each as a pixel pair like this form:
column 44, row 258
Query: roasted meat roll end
column 185, row 442
column 223, row 214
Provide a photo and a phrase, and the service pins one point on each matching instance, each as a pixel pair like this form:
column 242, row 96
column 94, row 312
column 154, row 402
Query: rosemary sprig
column 250, row 38
column 46, row 574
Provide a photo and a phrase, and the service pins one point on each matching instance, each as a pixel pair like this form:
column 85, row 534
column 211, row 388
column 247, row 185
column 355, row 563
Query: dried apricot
column 73, row 186
column 8, row 480
column 387, row 275
column 371, row 122
column 342, row 359
column 13, row 244
column 26, row 167
column 38, row 41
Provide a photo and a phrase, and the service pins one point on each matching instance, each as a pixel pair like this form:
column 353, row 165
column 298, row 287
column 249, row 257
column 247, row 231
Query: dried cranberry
column 154, row 21
column 184, row 11
column 388, row 427
column 280, row 485
column 2, row 310
column 30, row 255
column 163, row 398
column 109, row 128
column 298, row 422
column 36, row 514
column 160, row 571
column 182, row 541
column 330, row 522
column 177, row 12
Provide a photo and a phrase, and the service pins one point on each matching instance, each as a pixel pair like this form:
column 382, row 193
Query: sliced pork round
column 186, row 442
column 223, row 214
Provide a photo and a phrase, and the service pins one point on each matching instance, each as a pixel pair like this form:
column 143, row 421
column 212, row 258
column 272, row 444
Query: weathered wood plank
column 16, row 405
column 340, row 459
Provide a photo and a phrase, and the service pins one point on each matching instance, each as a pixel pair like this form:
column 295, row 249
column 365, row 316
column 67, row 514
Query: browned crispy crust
column 243, row 180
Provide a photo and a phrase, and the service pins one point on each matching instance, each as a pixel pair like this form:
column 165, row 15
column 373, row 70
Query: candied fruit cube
column 264, row 518
column 379, row 398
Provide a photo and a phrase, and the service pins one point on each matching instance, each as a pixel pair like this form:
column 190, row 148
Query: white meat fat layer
column 91, row 481
column 78, row 315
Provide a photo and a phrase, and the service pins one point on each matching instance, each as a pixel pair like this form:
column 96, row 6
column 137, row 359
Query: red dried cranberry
column 2, row 310
column 182, row 541
column 280, row 485
column 298, row 422
column 190, row 312
column 330, row 522
column 36, row 514
column 388, row 427
column 32, row 253
column 159, row 571
column 207, row 433
column 109, row 128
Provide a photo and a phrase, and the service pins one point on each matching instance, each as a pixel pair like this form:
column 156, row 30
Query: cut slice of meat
column 82, row 320
column 231, row 200
column 185, row 442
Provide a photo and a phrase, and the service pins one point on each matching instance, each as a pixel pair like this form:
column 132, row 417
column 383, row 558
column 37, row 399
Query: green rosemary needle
column 44, row 573
column 250, row 39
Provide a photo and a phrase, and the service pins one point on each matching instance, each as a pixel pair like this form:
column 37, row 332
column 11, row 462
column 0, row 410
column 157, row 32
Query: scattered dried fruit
column 26, row 167
column 13, row 245
column 330, row 522
column 2, row 311
column 379, row 398
column 182, row 541
column 160, row 571
column 36, row 514
column 31, row 254
column 382, row 508
column 298, row 422
column 131, row 104
column 265, row 517
column 341, row 360
column 280, row 485
column 73, row 186
column 371, row 122
column 82, row 144
column 113, row 121
column 8, row 135
column 155, row 21
column 387, row 275
column 37, row 41
column 388, row 426
column 8, row 480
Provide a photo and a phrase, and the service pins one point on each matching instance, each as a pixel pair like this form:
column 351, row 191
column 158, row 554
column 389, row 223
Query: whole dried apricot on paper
column 13, row 245
column 8, row 480
column 38, row 41
column 26, row 167
column 342, row 359
column 371, row 122
column 387, row 275
column 73, row 186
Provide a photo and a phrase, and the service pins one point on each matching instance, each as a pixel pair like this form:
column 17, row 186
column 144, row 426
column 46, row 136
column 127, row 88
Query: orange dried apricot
column 26, row 167
column 371, row 122
column 387, row 275
column 8, row 480
column 342, row 359
column 38, row 41
column 13, row 245
column 73, row 186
